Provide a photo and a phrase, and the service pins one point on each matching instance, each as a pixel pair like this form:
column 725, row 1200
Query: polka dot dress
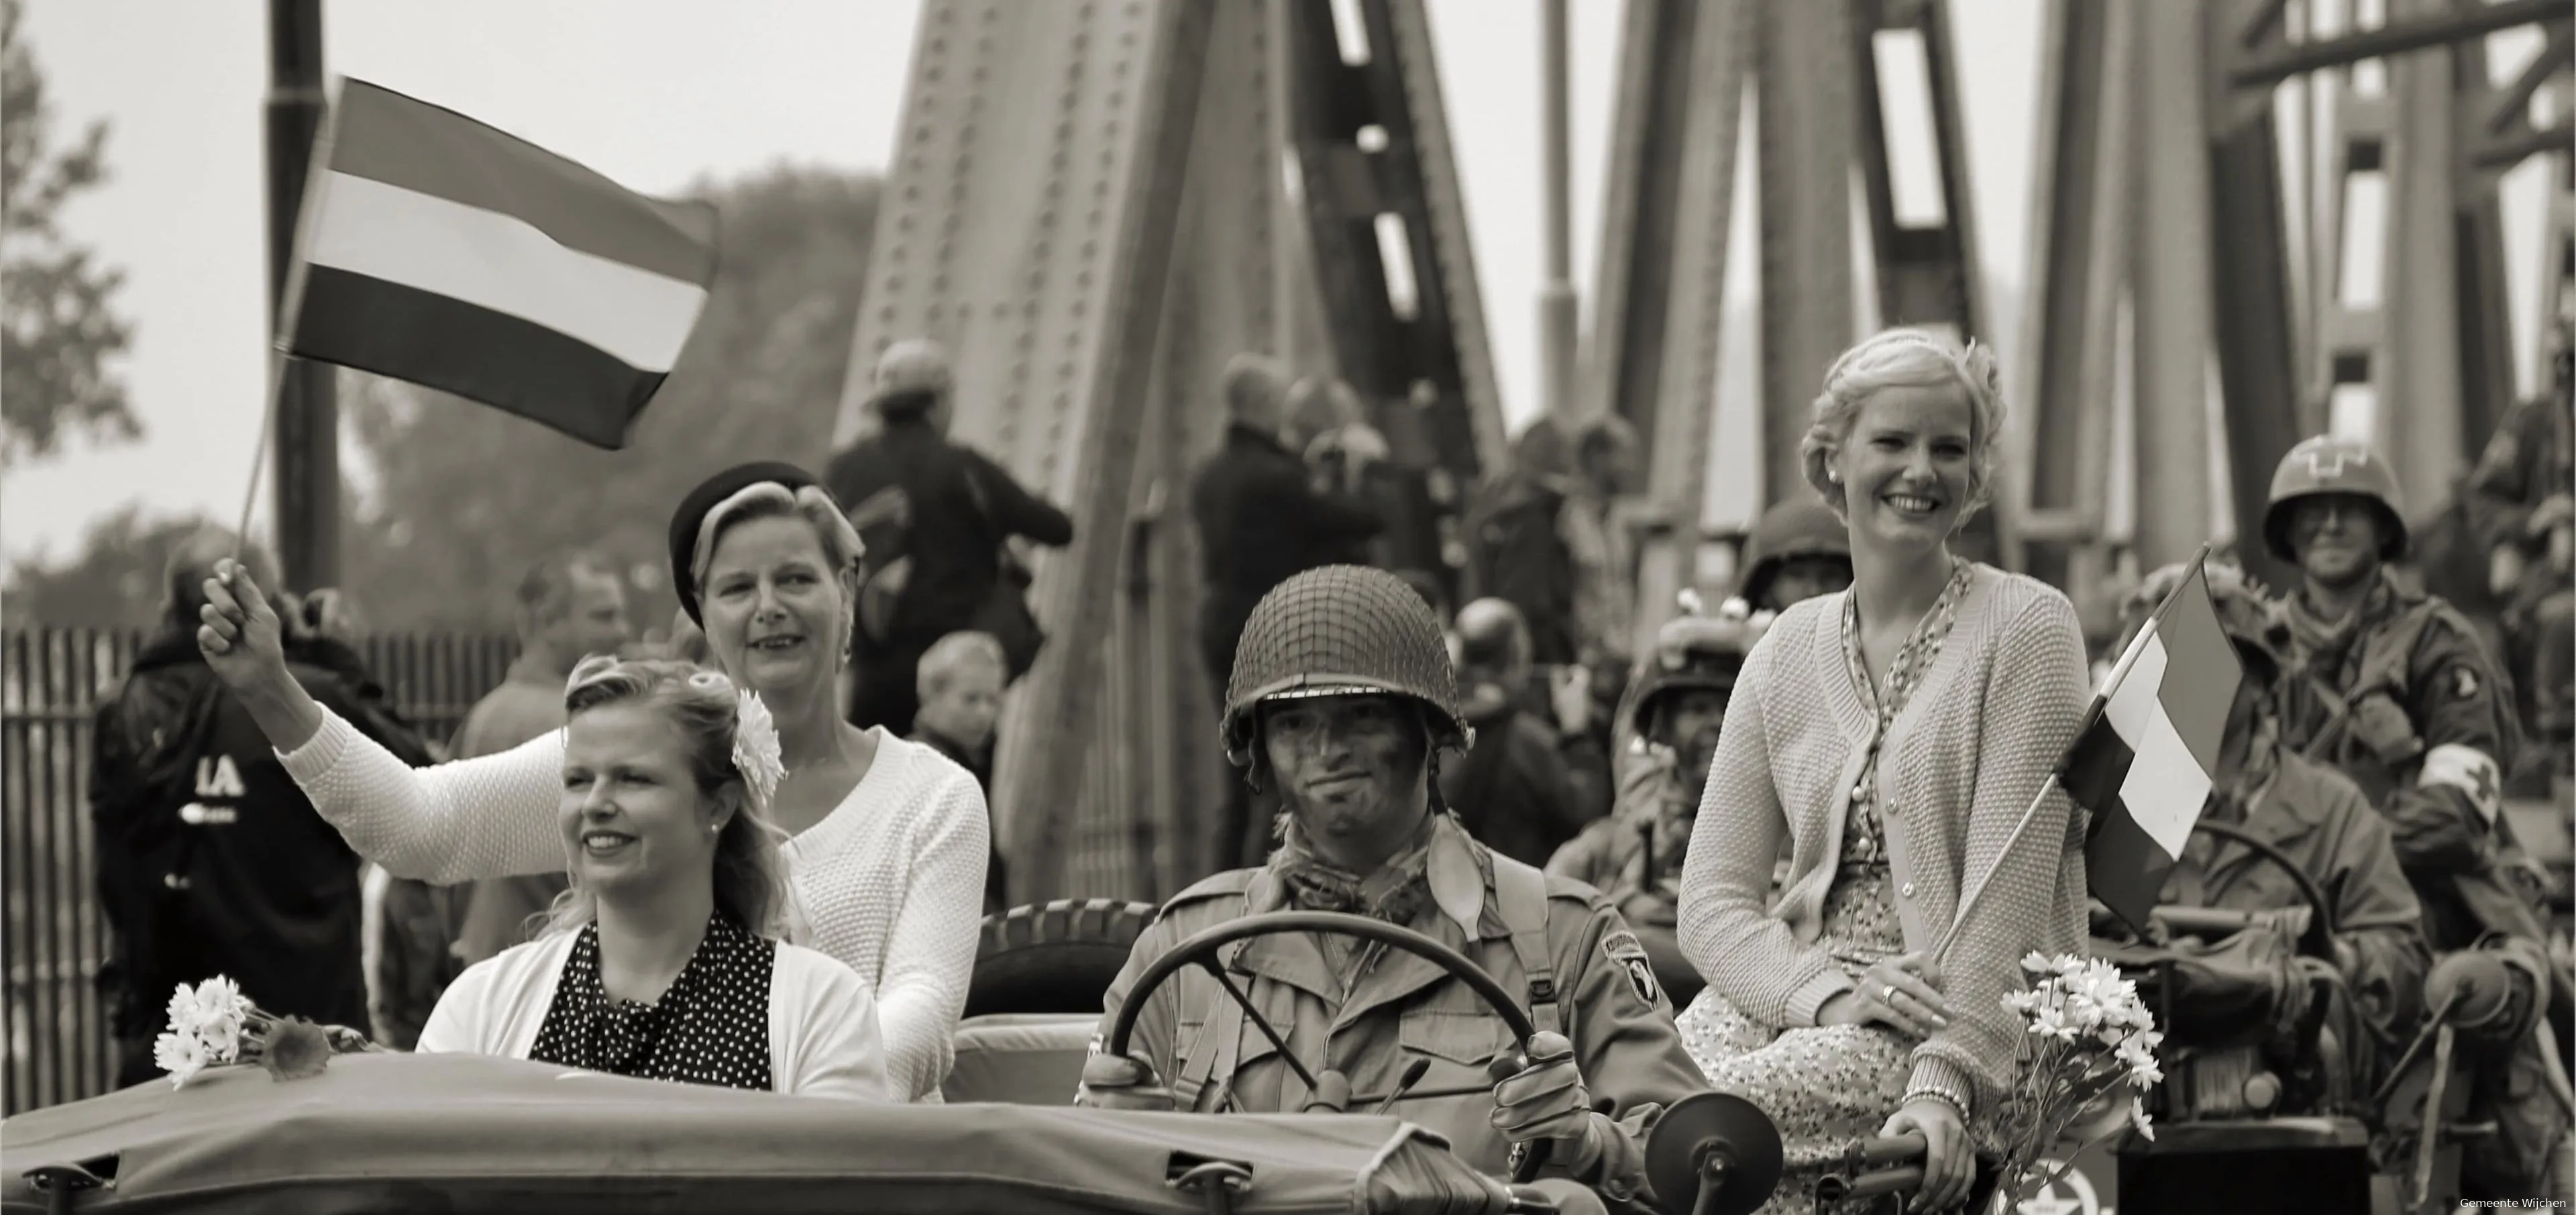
column 711, row 1027
column 1828, row 1087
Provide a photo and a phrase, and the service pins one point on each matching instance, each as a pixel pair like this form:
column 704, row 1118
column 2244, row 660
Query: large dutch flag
column 2148, row 753
column 435, row 249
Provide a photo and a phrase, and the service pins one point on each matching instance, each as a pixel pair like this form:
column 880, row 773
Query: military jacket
column 1372, row 1020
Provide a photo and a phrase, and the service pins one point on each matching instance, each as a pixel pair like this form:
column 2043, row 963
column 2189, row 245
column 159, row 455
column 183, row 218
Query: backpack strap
column 1520, row 895
column 1206, row 1077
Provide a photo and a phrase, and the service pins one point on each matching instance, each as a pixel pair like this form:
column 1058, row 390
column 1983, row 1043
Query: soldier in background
column 1527, row 784
column 1798, row 550
column 2391, row 687
column 2314, row 816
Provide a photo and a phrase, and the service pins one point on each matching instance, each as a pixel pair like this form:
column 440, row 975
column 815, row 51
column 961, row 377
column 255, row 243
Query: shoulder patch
column 2464, row 683
column 1626, row 952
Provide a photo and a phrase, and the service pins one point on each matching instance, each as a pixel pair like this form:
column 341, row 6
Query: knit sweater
column 890, row 883
column 1958, row 769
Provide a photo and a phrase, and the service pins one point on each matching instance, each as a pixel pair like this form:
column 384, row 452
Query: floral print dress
column 1828, row 1087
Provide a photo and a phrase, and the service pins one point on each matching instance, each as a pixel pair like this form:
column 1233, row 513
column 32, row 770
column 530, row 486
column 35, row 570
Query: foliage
column 58, row 326
column 112, row 581
column 465, row 497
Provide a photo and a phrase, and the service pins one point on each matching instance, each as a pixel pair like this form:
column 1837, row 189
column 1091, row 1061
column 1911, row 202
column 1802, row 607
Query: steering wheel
column 2321, row 922
column 1202, row 949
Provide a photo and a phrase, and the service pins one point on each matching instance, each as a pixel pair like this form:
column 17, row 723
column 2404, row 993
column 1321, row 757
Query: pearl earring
column 1833, row 477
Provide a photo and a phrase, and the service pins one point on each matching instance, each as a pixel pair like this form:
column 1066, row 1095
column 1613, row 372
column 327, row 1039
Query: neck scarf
column 1397, row 892
column 2324, row 642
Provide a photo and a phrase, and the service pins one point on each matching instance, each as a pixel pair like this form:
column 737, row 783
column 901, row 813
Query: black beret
column 710, row 494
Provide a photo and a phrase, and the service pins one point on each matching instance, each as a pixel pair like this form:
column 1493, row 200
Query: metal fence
column 52, row 680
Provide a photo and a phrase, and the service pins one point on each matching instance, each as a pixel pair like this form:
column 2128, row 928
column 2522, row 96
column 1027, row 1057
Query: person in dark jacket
column 210, row 860
column 1260, row 521
column 1517, row 550
column 962, row 677
column 935, row 516
column 1517, row 791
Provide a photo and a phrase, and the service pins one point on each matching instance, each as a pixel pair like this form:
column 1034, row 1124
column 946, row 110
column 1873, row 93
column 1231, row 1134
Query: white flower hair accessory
column 755, row 750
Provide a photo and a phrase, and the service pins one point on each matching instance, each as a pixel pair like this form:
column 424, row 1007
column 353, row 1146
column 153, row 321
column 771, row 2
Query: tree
column 61, row 328
column 465, row 497
column 112, row 582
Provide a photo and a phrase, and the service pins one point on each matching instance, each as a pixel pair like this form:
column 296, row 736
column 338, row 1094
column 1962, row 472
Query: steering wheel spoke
column 1206, row 950
column 1215, row 971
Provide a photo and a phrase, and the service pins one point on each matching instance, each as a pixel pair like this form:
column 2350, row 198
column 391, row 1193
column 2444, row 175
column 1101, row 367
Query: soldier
column 1800, row 549
column 2391, row 687
column 1675, row 709
column 2314, row 816
column 1343, row 697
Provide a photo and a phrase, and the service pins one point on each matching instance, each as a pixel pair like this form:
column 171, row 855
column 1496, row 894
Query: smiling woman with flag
column 1900, row 738
column 888, row 838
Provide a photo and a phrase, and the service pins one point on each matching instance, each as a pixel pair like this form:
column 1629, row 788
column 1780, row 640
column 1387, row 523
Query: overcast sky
column 658, row 93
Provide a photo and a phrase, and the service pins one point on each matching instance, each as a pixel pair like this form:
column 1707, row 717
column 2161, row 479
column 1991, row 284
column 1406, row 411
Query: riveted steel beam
column 2256, row 342
column 1805, row 132
column 1660, row 283
column 2171, row 278
column 1029, row 224
column 2421, row 26
column 1372, row 153
column 2079, row 248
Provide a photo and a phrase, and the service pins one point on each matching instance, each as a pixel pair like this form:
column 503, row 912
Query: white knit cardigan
column 1978, row 739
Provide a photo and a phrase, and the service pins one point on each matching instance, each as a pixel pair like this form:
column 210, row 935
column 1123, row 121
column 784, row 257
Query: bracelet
column 1956, row 1105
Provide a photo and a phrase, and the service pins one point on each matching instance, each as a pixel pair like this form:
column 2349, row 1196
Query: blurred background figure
column 1668, row 730
column 570, row 606
column 937, row 518
column 1526, row 785
column 688, row 641
column 1260, row 521
column 2523, row 514
column 1602, row 542
column 1516, row 551
column 962, row 675
column 1798, row 550
column 210, row 860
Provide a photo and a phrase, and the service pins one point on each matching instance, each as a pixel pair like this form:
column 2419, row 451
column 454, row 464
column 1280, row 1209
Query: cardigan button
column 1907, row 890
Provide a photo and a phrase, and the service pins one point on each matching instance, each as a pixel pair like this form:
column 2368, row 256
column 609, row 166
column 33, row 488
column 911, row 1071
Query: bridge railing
column 54, row 1044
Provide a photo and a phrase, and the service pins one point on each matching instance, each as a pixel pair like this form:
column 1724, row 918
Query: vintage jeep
column 2261, row 1106
column 389, row 1132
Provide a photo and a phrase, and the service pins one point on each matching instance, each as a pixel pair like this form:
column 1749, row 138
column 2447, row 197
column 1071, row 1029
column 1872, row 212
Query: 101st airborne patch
column 1629, row 955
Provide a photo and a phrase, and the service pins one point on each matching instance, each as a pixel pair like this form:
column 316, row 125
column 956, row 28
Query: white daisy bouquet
column 2087, row 1033
column 214, row 1025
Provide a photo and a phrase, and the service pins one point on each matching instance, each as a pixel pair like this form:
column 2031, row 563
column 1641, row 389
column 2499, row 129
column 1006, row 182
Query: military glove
column 1546, row 1098
column 1113, row 1083
column 2383, row 727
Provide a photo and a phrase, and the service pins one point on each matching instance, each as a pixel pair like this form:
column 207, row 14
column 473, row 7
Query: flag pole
column 290, row 306
column 2128, row 658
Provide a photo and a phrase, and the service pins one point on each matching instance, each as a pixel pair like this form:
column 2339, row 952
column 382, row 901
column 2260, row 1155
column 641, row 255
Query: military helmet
column 1341, row 630
column 1802, row 526
column 2330, row 465
column 2247, row 613
column 1691, row 653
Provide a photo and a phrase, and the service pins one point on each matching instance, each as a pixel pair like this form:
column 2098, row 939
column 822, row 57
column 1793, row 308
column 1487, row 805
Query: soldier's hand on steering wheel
column 1902, row 993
